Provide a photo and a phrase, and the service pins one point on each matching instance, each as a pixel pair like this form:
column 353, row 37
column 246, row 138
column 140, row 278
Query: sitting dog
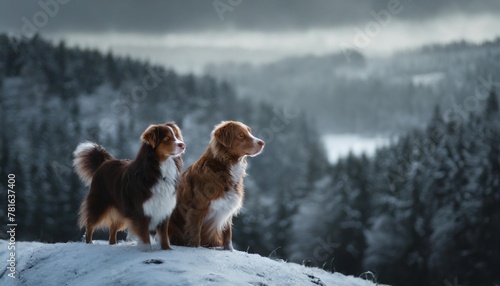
column 210, row 192
column 138, row 194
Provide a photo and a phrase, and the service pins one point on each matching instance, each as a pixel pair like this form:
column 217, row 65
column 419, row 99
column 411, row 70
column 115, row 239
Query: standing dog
column 138, row 194
column 211, row 190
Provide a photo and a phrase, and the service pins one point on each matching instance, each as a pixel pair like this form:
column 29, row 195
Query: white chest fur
column 162, row 202
column 237, row 171
column 222, row 209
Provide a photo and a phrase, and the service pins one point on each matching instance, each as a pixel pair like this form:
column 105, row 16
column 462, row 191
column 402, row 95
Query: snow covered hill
column 99, row 264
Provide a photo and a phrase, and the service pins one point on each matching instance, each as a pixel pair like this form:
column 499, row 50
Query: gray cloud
column 159, row 16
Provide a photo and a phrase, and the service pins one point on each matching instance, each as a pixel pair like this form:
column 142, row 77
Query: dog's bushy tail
column 88, row 157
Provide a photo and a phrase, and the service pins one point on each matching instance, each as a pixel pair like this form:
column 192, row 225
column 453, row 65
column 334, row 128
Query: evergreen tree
column 112, row 71
column 91, row 75
column 492, row 106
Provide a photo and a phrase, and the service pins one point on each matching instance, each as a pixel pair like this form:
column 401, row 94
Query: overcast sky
column 187, row 34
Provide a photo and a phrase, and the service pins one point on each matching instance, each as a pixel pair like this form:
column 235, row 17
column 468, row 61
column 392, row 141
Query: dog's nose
column 181, row 145
column 261, row 143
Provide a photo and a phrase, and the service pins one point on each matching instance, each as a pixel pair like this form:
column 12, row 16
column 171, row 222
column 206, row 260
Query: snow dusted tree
column 330, row 223
column 90, row 71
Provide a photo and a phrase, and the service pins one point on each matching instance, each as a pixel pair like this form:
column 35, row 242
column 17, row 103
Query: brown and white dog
column 138, row 194
column 210, row 192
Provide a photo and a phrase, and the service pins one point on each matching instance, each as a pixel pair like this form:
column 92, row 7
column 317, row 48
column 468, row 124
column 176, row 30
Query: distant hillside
column 372, row 95
column 459, row 46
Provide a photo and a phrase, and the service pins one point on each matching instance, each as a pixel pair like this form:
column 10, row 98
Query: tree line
column 424, row 210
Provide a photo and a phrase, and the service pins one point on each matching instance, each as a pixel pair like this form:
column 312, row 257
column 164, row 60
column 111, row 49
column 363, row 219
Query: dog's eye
column 241, row 135
column 167, row 138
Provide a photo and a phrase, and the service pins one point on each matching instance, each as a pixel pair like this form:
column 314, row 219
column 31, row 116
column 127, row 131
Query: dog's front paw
column 166, row 246
column 144, row 247
column 229, row 246
column 193, row 243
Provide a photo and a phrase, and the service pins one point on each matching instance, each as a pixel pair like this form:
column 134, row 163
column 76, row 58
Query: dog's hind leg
column 113, row 231
column 92, row 212
column 116, row 223
column 194, row 223
column 92, row 222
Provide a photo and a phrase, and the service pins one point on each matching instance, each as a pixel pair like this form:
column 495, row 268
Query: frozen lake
column 339, row 145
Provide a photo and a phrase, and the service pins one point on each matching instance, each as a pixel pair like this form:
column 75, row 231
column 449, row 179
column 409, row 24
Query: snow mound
column 99, row 264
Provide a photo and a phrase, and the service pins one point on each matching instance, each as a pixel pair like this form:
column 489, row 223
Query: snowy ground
column 339, row 145
column 100, row 264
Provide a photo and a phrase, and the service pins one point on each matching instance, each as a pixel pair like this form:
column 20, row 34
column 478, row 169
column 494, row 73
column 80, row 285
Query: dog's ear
column 224, row 134
column 176, row 129
column 151, row 136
